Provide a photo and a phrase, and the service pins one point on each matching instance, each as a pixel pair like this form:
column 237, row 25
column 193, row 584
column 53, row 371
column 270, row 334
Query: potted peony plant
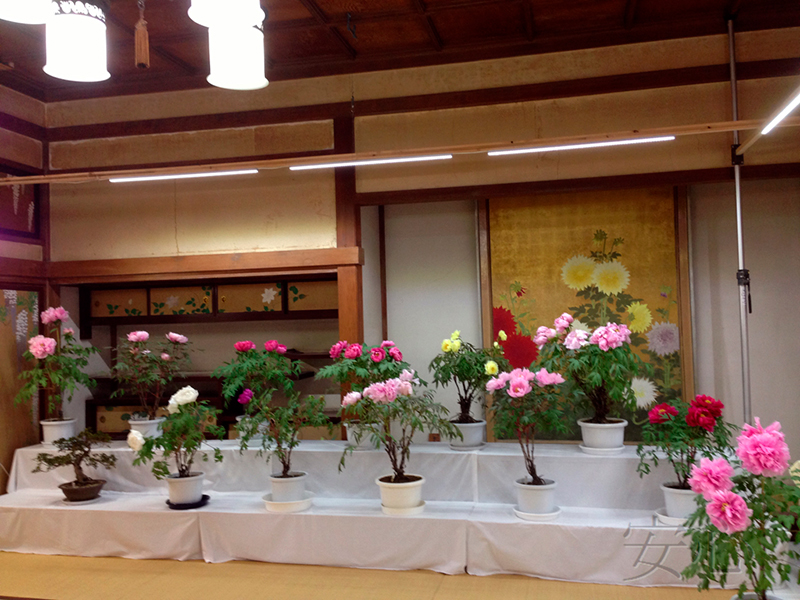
column 355, row 367
column 57, row 370
column 745, row 514
column 468, row 368
column 252, row 378
column 145, row 369
column 599, row 367
column 683, row 434
column 525, row 403
column 182, row 435
column 377, row 407
column 76, row 452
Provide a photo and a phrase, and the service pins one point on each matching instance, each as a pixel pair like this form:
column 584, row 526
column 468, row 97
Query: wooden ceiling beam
column 630, row 13
column 323, row 19
column 529, row 19
column 427, row 22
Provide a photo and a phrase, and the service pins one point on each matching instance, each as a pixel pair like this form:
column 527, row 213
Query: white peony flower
column 185, row 395
column 135, row 440
column 172, row 407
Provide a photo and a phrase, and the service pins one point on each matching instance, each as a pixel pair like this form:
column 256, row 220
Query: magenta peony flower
column 177, row 338
column 728, row 512
column 396, row 354
column 701, row 417
column 763, row 451
column 662, row 413
column 41, row 346
column 710, row 404
column 563, row 322
column 138, row 336
column 271, row 345
column 387, row 343
column 244, row 346
column 377, row 354
column 711, row 476
column 543, row 378
column 336, row 349
column 281, row 349
column 576, row 339
column 245, row 396
column 351, row 398
column 353, row 351
column 518, row 387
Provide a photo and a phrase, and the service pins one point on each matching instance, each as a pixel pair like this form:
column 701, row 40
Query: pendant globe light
column 29, row 12
column 75, row 38
column 236, row 55
column 210, row 13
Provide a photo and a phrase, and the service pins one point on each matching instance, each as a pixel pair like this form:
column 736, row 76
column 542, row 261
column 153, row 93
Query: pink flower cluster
column 711, row 476
column 763, row 451
column 244, row 346
column 337, row 348
column 543, row 335
column 274, row 346
column 576, row 339
column 41, row 346
column 177, row 338
column 385, row 392
column 51, row 315
column 563, row 322
column 519, row 381
column 351, row 398
column 353, row 351
column 138, row 336
column 377, row 354
column 611, row 336
column 245, row 396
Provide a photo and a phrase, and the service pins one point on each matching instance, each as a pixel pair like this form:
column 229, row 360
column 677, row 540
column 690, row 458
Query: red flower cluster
column 703, row 412
column 662, row 413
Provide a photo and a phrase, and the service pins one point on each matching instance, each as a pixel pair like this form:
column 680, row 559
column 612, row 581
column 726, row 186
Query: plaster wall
column 20, row 149
column 19, row 250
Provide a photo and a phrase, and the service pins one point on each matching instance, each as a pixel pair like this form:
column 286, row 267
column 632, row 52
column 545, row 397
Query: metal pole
column 742, row 275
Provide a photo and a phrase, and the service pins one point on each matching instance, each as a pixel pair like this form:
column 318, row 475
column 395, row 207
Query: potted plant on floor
column 745, row 514
column 253, row 378
column 468, row 369
column 683, row 434
column 395, row 401
column 355, row 367
column 182, row 435
column 524, row 404
column 599, row 367
column 76, row 452
column 145, row 368
column 59, row 360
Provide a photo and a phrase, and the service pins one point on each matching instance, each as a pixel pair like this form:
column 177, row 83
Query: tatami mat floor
column 73, row 578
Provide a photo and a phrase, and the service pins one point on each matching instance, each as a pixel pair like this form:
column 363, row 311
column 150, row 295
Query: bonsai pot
column 536, row 499
column 55, row 429
column 403, row 497
column 76, row 492
column 147, row 427
column 185, row 490
column 679, row 503
column 289, row 489
column 365, row 443
column 473, row 435
column 602, row 438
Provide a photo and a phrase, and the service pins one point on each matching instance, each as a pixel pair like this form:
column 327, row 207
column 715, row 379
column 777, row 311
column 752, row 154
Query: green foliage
column 263, row 373
column 464, row 366
column 759, row 549
column 182, row 436
column 75, row 452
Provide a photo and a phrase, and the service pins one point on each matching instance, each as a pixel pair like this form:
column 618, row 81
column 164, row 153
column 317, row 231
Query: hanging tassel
column 142, row 40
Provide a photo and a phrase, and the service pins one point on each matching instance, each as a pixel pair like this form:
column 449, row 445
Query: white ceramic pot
column 602, row 438
column 536, row 499
column 401, row 496
column 55, row 429
column 473, row 435
column 147, row 427
column 679, row 503
column 754, row 596
column 185, row 490
column 289, row 489
column 364, row 443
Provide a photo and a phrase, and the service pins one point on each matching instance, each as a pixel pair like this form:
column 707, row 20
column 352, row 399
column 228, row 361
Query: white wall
column 771, row 217
column 432, row 281
column 371, row 275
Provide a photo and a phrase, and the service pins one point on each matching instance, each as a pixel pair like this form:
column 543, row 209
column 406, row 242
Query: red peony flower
column 503, row 320
column 520, row 350
column 662, row 413
column 701, row 417
column 710, row 404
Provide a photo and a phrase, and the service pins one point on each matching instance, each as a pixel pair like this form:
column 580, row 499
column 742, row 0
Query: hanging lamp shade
column 75, row 38
column 30, row 12
column 210, row 13
column 236, row 54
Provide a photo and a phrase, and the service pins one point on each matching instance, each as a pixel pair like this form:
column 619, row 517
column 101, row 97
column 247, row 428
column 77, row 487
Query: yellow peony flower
column 577, row 272
column 502, row 336
column 611, row 277
column 447, row 345
column 639, row 317
column 455, row 335
column 496, row 345
column 491, row 367
column 456, row 346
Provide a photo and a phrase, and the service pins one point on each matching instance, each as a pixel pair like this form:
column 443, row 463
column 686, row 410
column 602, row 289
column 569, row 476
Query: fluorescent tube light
column 781, row 115
column 182, row 176
column 376, row 161
column 581, row 146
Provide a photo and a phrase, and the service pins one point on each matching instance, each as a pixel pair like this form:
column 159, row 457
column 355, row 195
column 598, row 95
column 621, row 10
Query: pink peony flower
column 518, row 387
column 51, row 315
column 177, row 338
column 68, row 331
column 381, row 393
column 611, row 336
column 245, row 396
column 711, row 476
column 336, row 349
column 165, row 356
column 271, row 345
column 138, row 336
column 543, row 378
column 351, row 398
column 353, row 351
column 408, row 375
column 728, row 512
column 495, row 384
column 41, row 346
column 396, row 354
column 710, row 404
column 281, row 349
column 387, row 343
column 576, row 339
column 700, row 417
column 543, row 334
column 404, row 388
column 661, row 413
column 377, row 354
column 244, row 346
column 763, row 451
column 563, row 322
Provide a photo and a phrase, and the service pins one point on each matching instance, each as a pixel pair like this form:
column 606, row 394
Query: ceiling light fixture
column 75, row 38
column 647, row 140
column 182, row 176
column 782, row 114
column 29, row 12
column 209, row 13
column 368, row 162
column 236, row 56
